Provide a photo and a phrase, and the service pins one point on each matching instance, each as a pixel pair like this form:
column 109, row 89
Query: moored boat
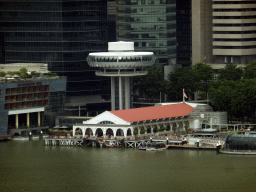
column 156, row 147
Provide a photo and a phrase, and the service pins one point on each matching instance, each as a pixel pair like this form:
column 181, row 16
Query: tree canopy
column 230, row 72
column 250, row 70
column 234, row 91
column 203, row 74
column 151, row 84
column 23, row 72
column 181, row 78
column 236, row 97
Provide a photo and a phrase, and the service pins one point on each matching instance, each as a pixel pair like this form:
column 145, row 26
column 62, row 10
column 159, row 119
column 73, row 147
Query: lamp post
column 30, row 136
column 41, row 134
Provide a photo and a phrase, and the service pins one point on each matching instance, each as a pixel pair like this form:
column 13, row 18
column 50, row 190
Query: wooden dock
column 99, row 143
column 64, row 141
column 92, row 142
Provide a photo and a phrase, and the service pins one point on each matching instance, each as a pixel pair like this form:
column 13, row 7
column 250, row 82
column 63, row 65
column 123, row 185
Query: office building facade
column 224, row 31
column 60, row 33
column 151, row 25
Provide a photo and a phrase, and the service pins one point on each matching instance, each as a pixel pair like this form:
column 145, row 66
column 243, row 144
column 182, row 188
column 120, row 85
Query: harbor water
column 32, row 166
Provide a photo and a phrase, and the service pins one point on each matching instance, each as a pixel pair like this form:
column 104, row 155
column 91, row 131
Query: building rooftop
column 116, row 54
column 4, row 80
column 155, row 112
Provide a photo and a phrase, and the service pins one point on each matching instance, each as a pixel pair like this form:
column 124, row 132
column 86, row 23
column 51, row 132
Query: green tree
column 23, row 72
column 221, row 94
column 238, row 98
column 142, row 131
column 248, row 99
column 230, row 72
column 181, row 78
column 151, row 84
column 250, row 70
column 2, row 74
column 204, row 75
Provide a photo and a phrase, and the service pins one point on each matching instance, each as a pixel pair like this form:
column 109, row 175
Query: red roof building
column 170, row 116
column 173, row 115
column 153, row 113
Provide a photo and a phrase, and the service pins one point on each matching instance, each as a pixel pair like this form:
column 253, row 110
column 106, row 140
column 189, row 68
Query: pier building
column 30, row 103
column 172, row 116
column 121, row 63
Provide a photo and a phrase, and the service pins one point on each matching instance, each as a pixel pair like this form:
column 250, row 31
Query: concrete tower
column 121, row 63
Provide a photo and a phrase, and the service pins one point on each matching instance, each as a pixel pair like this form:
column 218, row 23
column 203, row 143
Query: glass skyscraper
column 151, row 24
column 60, row 33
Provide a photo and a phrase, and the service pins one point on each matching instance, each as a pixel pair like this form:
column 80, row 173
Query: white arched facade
column 104, row 129
column 112, row 121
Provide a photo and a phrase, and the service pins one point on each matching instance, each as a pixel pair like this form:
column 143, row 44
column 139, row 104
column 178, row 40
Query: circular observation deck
column 121, row 60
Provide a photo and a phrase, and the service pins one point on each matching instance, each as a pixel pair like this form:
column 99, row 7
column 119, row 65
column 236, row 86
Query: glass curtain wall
column 151, row 25
column 60, row 33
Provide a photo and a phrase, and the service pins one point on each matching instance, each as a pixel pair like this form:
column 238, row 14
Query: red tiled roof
column 156, row 112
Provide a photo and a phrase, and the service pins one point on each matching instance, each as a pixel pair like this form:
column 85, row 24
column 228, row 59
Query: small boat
column 154, row 147
column 143, row 148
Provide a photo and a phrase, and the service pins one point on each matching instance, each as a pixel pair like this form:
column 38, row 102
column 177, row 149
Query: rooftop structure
column 121, row 63
column 31, row 67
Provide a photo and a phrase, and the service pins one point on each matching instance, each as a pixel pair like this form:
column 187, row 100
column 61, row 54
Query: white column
column 38, row 119
column 120, row 94
column 93, row 131
column 114, row 132
column 127, row 92
column 152, row 129
column 113, row 93
column 104, row 131
column 83, row 131
column 17, row 121
column 125, row 132
column 146, row 132
column 28, row 120
column 74, row 128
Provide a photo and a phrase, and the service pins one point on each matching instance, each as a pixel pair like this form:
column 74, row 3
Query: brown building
column 223, row 31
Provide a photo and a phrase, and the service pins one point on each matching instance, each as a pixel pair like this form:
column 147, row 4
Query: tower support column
column 127, row 93
column 120, row 94
column 113, row 104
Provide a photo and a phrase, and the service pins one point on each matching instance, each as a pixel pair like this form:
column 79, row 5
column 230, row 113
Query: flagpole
column 183, row 96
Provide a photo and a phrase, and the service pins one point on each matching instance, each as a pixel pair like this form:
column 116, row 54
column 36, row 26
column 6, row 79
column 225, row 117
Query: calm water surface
column 32, row 166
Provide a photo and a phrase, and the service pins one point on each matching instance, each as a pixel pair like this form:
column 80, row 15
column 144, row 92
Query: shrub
column 2, row 74
column 163, row 128
column 50, row 74
column 143, row 131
